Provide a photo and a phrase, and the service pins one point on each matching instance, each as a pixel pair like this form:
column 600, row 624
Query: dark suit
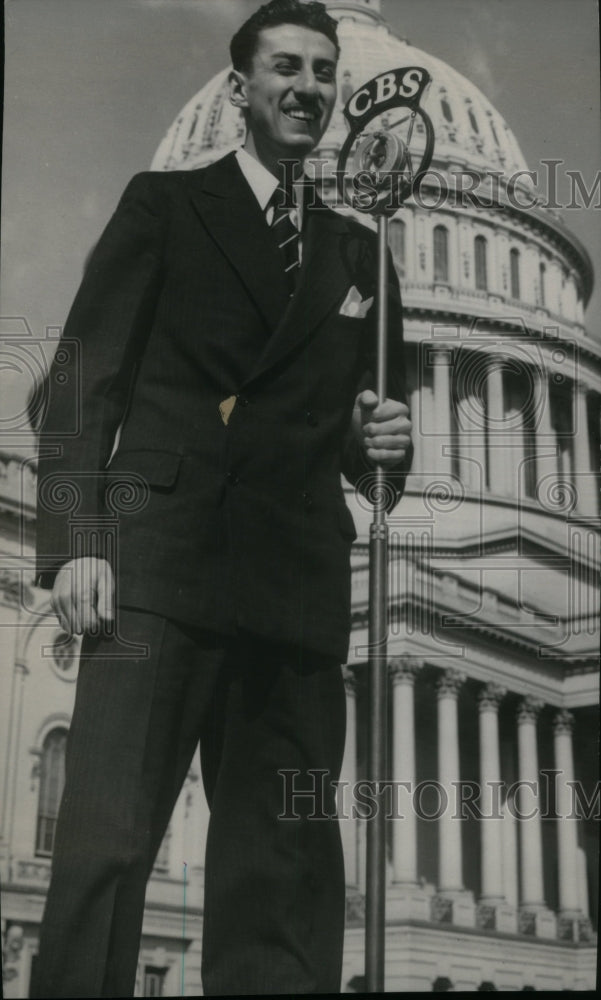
column 237, row 531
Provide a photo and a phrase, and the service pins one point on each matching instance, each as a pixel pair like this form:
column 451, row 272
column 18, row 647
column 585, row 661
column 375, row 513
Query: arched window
column 494, row 131
column 52, row 782
column 473, row 121
column 397, row 244
column 514, row 272
column 541, row 283
column 480, row 262
column 446, row 109
column 441, row 253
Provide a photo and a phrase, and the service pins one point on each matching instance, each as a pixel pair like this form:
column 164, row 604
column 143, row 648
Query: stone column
column 528, row 803
column 569, row 297
column 477, row 439
column 423, row 245
column 470, row 422
column 406, row 898
column 491, row 882
column 410, row 241
column 583, row 883
column 453, row 903
column 498, row 451
column 514, row 417
column 493, row 911
column 546, row 445
column 442, row 358
column 510, row 855
column 348, row 776
column 404, row 670
column 503, row 263
column 574, row 924
column 454, row 266
column 584, row 479
column 10, row 813
column 529, row 276
column 465, row 440
column 466, row 256
column 494, row 272
column 450, row 867
column 567, row 831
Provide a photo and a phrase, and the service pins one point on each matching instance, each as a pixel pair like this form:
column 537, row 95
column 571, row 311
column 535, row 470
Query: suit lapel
column 233, row 217
column 325, row 276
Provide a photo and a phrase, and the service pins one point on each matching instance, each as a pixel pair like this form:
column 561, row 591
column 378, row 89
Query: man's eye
column 326, row 76
column 285, row 68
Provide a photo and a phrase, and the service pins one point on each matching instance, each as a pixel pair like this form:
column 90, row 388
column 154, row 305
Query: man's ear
column 237, row 83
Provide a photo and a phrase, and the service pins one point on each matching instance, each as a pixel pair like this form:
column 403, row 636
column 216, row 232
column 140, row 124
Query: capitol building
column 492, row 868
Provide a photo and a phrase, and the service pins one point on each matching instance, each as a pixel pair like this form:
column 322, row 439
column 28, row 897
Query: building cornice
column 533, row 321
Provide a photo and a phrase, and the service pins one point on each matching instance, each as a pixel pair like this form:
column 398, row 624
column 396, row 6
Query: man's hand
column 83, row 595
column 384, row 431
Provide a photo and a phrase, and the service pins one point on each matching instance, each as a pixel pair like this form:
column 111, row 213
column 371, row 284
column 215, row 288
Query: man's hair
column 311, row 15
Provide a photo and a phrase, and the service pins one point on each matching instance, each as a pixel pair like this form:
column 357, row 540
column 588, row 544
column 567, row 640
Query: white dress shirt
column 263, row 183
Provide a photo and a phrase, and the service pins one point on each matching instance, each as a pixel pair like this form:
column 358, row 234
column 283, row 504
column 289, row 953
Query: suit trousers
column 274, row 887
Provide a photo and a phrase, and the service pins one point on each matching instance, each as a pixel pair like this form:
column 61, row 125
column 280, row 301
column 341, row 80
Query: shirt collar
column 263, row 183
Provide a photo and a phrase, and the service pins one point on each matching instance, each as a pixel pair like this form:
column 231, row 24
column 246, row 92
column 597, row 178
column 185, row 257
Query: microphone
column 383, row 173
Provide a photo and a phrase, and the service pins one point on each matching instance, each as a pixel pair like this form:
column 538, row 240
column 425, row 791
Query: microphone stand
column 375, row 899
column 382, row 155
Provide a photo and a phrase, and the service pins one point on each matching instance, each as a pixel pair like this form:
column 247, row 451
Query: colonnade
column 510, row 830
column 464, row 425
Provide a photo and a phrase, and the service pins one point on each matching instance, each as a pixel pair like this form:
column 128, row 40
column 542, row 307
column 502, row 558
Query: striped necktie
column 287, row 234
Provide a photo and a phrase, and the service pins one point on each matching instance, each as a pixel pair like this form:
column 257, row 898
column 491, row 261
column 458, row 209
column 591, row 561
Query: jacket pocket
column 157, row 468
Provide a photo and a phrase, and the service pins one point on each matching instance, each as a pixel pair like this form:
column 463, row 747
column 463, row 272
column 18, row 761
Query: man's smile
column 301, row 114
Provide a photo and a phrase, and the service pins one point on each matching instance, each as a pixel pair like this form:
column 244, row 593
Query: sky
column 91, row 86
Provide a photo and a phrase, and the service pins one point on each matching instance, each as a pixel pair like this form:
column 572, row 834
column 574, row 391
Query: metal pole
column 375, row 900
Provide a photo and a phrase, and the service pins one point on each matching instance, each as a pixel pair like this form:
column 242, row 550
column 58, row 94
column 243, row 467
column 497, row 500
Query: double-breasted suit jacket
column 184, row 304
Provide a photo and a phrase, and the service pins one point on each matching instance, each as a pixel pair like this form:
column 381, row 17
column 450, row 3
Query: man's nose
column 306, row 83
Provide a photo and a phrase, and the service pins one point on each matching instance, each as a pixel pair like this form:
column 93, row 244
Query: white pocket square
column 354, row 305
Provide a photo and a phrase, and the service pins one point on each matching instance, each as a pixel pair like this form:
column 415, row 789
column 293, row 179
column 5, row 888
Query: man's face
column 290, row 91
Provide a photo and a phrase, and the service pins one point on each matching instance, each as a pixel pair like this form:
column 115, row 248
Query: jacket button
column 232, row 478
column 312, row 419
column 243, row 400
column 307, row 500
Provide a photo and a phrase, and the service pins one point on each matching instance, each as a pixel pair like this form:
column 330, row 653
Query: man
column 225, row 384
